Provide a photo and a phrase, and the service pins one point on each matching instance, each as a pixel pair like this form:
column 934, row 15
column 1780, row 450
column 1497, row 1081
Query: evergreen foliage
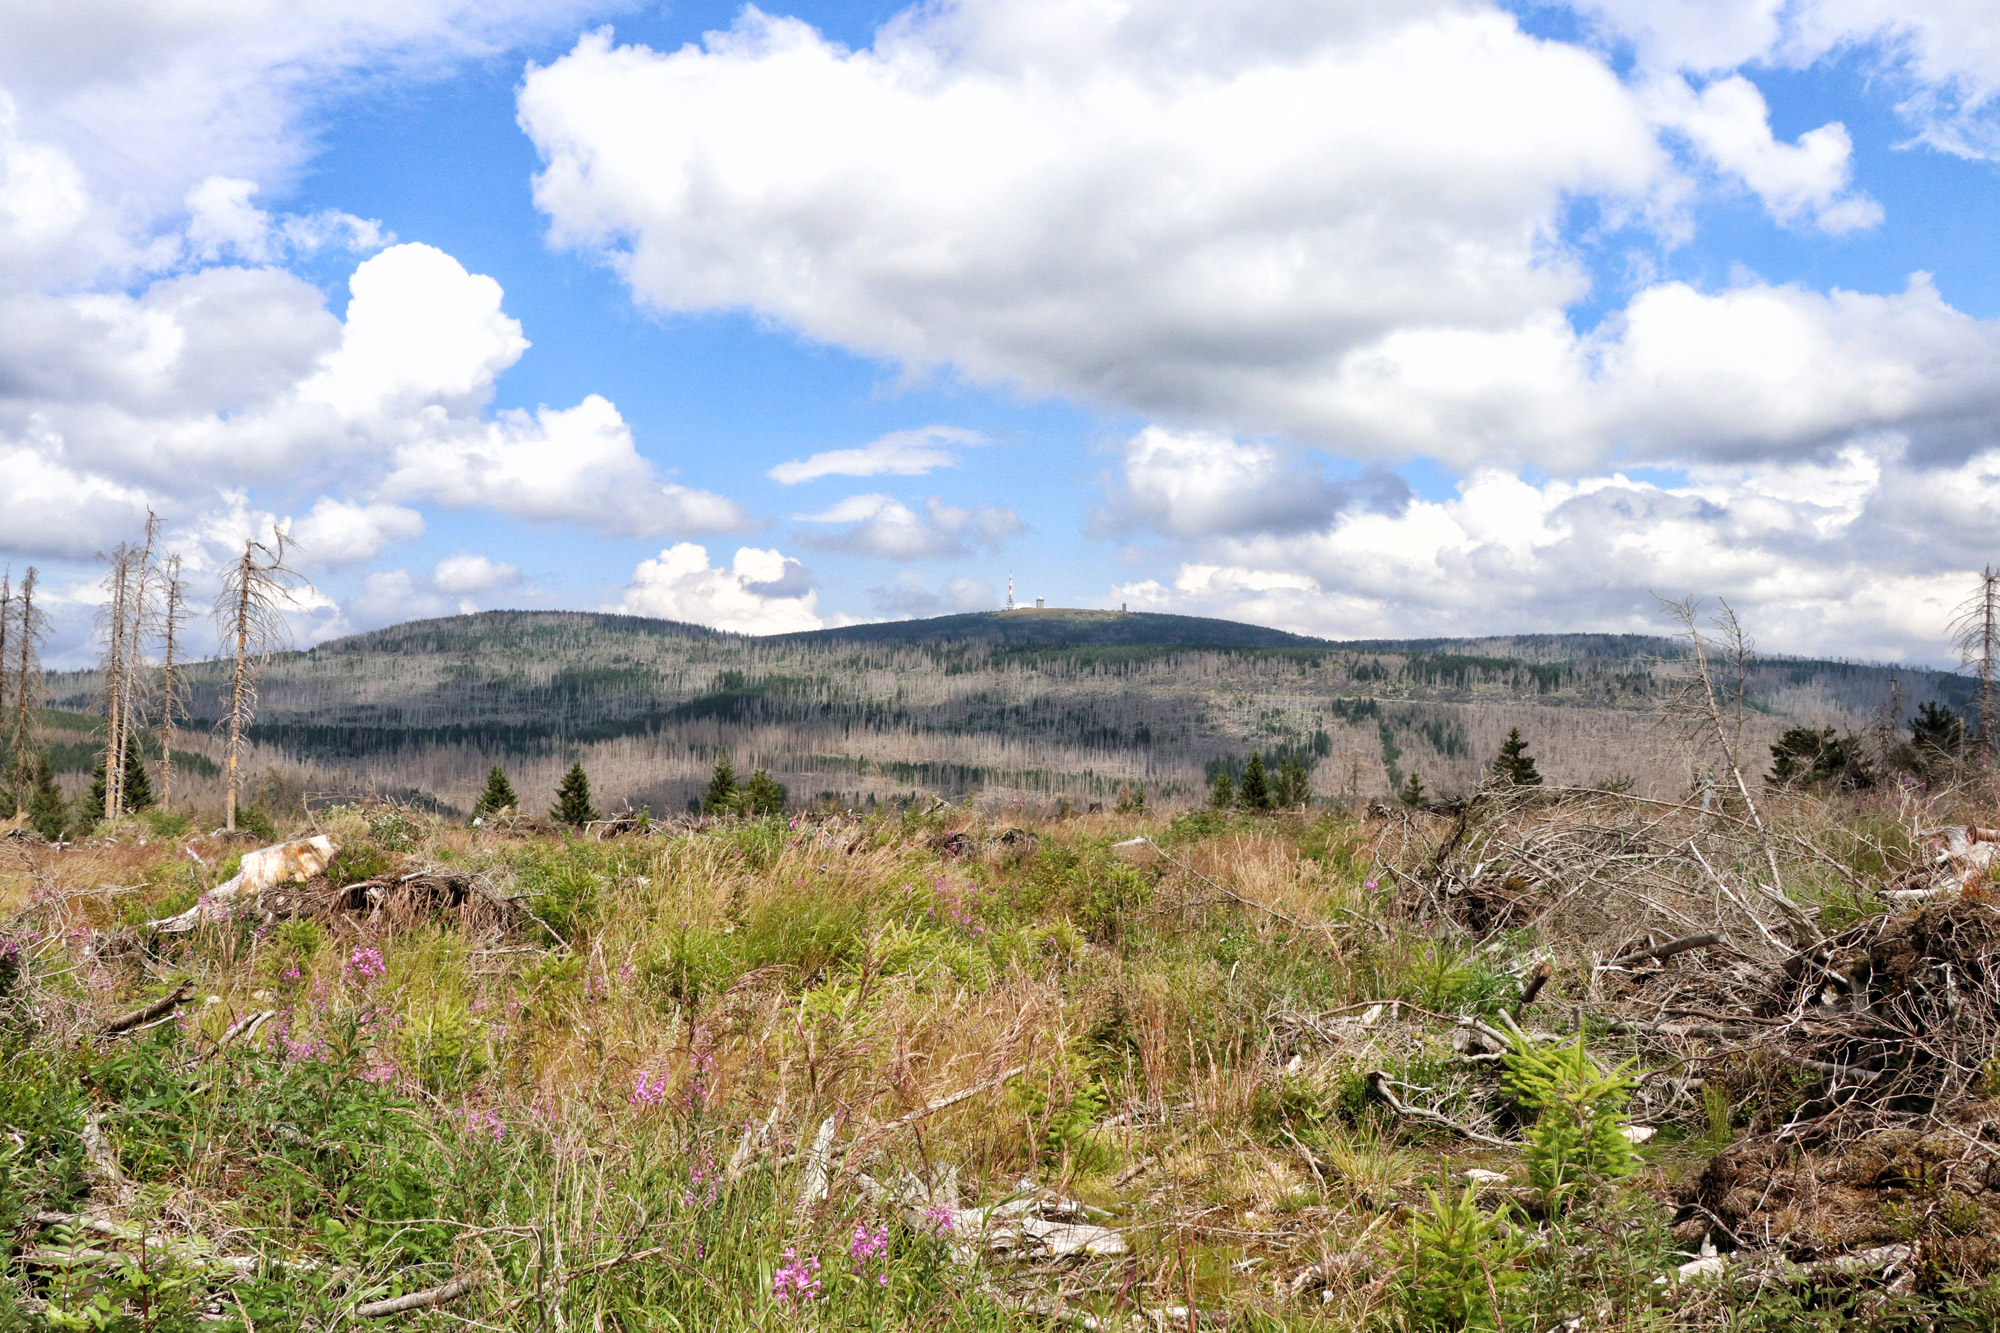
column 498, row 796
column 138, row 789
column 1222, row 794
column 1578, row 1137
column 1131, row 797
column 573, row 799
column 1805, row 757
column 761, row 795
column 48, row 813
column 1412, row 791
column 1937, row 733
column 1254, row 793
column 721, row 796
column 1514, row 766
column 1293, row 787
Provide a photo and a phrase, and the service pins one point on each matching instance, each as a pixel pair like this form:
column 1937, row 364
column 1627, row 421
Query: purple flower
column 648, row 1091
column 797, row 1279
column 940, row 1218
column 868, row 1245
column 365, row 965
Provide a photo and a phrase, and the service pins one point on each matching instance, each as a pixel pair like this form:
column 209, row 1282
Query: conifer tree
column 1222, row 795
column 1254, row 792
column 1514, row 766
column 762, row 795
column 48, row 815
column 95, row 803
column 1412, row 793
column 573, row 799
column 722, row 797
column 499, row 795
column 1293, row 787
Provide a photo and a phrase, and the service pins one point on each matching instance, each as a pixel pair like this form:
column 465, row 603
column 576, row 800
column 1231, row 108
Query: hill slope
column 1033, row 705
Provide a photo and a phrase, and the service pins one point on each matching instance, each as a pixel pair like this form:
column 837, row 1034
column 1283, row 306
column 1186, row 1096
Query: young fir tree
column 1222, row 794
column 1254, row 792
column 1293, row 788
column 138, row 793
column 48, row 814
column 1514, row 766
column 499, row 795
column 573, row 799
column 1412, row 791
column 722, row 796
column 762, row 795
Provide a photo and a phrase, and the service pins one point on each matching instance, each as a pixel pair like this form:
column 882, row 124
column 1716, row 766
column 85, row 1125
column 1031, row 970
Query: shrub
column 1579, row 1132
column 1461, row 1270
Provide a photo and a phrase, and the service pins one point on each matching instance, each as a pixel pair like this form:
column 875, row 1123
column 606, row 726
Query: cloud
column 1857, row 554
column 571, row 466
column 908, row 598
column 1729, row 124
column 343, row 532
column 1944, row 54
column 465, row 573
column 48, row 510
column 1103, row 202
column 762, row 592
column 222, row 221
column 890, row 529
column 1194, row 484
column 903, row 453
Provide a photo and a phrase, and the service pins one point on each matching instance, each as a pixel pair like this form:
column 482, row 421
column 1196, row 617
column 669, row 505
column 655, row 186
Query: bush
column 1578, row 1137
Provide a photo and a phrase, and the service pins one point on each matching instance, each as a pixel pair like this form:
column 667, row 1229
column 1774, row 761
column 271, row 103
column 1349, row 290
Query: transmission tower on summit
column 1010, row 590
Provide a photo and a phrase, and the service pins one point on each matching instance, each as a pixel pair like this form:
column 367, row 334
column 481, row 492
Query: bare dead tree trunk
column 131, row 698
column 1975, row 632
column 255, row 590
column 26, row 680
column 117, row 582
column 173, row 608
column 6, row 618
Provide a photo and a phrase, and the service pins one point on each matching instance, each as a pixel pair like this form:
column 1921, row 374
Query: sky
column 1359, row 318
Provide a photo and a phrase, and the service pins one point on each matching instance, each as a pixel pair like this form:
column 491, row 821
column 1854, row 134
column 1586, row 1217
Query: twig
column 1378, row 1083
column 1667, row 950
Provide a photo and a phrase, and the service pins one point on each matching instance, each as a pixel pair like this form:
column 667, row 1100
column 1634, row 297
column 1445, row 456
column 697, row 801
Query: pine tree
column 48, row 814
column 1222, row 795
column 499, row 795
column 138, row 787
column 722, row 796
column 1937, row 732
column 762, row 795
column 138, row 793
column 1412, row 793
column 1254, row 793
column 1514, row 766
column 573, row 799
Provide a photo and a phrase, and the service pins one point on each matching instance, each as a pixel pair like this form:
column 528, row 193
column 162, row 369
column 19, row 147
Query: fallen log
column 1665, row 951
column 417, row 1300
column 1378, row 1083
column 166, row 1004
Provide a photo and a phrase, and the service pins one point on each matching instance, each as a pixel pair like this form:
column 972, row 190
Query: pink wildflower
column 365, row 965
column 797, row 1279
column 648, row 1091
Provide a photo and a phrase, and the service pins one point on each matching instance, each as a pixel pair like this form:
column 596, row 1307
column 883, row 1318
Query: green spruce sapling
column 573, row 805
column 722, row 796
column 1514, row 766
column 499, row 795
column 1254, row 792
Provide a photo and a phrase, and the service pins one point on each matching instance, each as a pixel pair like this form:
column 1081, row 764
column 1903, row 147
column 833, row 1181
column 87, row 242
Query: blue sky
column 1360, row 320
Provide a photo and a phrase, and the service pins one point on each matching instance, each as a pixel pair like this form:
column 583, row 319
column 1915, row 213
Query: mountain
column 1034, row 705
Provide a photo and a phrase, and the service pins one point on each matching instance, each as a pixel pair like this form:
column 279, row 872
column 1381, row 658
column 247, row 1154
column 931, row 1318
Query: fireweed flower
column 365, row 965
column 649, row 1093
column 486, row 1123
column 797, row 1279
column 940, row 1218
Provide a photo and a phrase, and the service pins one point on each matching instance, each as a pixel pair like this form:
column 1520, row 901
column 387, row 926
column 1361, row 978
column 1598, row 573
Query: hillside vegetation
column 936, row 1070
column 1029, row 706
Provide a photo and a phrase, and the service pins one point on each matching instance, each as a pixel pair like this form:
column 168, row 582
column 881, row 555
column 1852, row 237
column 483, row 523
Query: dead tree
column 173, row 610
column 138, row 619
column 1975, row 633
column 112, row 618
column 250, row 617
column 1709, row 703
column 6, row 618
column 32, row 625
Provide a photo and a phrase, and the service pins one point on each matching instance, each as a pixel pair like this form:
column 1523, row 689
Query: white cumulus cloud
column 344, row 532
column 886, row 527
column 902, row 453
column 761, row 592
column 465, row 573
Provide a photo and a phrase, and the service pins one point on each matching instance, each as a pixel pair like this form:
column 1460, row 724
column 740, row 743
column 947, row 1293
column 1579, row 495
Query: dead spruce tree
column 1975, row 633
column 30, row 625
column 114, row 618
column 1709, row 703
column 173, row 611
column 138, row 625
column 250, row 619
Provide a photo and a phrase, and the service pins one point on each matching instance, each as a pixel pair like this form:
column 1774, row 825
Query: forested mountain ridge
column 1036, row 704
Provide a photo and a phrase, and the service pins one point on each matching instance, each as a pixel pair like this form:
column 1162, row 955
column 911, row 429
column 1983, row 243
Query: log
column 417, row 1300
column 1667, row 950
column 1533, row 987
column 164, row 1005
